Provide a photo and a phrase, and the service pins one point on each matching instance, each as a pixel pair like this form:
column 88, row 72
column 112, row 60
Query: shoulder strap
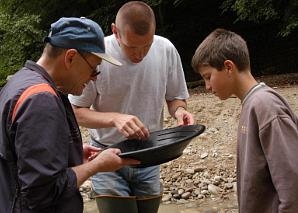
column 38, row 88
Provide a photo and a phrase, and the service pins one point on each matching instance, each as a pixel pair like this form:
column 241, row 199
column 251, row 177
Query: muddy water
column 208, row 206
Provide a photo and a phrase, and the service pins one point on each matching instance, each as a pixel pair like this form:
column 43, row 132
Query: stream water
column 205, row 206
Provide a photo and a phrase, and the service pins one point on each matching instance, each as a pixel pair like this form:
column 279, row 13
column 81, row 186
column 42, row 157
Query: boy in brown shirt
column 267, row 141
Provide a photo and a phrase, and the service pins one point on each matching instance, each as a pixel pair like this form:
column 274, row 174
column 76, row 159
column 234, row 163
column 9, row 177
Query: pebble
column 186, row 195
column 213, row 189
column 204, row 155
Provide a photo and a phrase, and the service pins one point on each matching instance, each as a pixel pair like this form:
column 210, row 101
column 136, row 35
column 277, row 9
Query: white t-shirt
column 138, row 89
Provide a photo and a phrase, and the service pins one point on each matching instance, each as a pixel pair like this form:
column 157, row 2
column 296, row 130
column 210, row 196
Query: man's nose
column 140, row 53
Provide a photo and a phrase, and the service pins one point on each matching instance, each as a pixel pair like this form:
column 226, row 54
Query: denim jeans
column 128, row 181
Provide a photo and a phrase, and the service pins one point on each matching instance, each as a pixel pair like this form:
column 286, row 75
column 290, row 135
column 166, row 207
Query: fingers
column 137, row 130
column 141, row 130
column 184, row 118
column 90, row 148
column 129, row 161
column 109, row 160
column 187, row 119
column 92, row 156
column 131, row 127
column 114, row 150
column 90, row 152
column 125, row 161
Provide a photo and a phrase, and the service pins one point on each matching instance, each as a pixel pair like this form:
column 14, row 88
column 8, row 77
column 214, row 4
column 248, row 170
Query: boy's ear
column 229, row 66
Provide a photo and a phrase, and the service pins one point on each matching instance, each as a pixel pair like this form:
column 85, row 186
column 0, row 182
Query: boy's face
column 217, row 81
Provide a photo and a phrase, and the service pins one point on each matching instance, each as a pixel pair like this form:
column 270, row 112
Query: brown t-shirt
column 267, row 154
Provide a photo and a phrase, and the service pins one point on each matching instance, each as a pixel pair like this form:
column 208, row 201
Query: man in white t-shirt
column 127, row 102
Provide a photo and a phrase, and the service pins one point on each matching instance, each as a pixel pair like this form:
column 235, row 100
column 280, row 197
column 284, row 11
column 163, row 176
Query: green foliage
column 23, row 24
column 278, row 12
column 18, row 41
column 255, row 10
column 290, row 18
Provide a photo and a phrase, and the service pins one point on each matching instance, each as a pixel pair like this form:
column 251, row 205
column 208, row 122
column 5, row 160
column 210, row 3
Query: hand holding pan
column 162, row 146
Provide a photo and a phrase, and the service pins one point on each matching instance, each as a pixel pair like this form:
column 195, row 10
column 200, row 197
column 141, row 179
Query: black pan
column 162, row 146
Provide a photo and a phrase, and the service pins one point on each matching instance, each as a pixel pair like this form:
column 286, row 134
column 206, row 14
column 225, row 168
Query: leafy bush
column 20, row 39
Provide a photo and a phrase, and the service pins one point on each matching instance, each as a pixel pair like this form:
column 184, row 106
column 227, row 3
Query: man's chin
column 78, row 92
column 136, row 61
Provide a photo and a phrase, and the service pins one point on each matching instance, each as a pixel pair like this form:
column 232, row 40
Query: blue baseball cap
column 79, row 33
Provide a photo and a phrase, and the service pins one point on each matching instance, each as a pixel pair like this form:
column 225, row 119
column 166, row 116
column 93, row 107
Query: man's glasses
column 94, row 70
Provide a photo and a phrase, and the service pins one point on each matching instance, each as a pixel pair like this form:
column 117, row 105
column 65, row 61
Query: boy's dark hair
column 221, row 45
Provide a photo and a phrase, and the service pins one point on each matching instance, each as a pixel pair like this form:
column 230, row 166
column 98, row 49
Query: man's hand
column 90, row 152
column 109, row 160
column 183, row 117
column 131, row 127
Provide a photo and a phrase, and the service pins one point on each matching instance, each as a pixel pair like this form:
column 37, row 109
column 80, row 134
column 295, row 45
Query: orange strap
column 38, row 88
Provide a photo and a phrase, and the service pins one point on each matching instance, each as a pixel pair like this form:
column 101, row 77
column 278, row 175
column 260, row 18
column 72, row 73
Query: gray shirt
column 267, row 154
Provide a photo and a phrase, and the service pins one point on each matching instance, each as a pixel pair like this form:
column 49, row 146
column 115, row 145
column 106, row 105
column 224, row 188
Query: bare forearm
column 84, row 171
column 93, row 119
column 174, row 105
column 127, row 125
column 177, row 109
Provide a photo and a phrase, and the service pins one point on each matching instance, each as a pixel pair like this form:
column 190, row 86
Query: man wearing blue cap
column 42, row 160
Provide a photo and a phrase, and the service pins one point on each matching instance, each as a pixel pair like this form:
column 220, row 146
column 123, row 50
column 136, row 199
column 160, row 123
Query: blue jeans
column 128, row 181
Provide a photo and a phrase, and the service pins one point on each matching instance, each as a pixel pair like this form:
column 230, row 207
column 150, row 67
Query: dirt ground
column 215, row 149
